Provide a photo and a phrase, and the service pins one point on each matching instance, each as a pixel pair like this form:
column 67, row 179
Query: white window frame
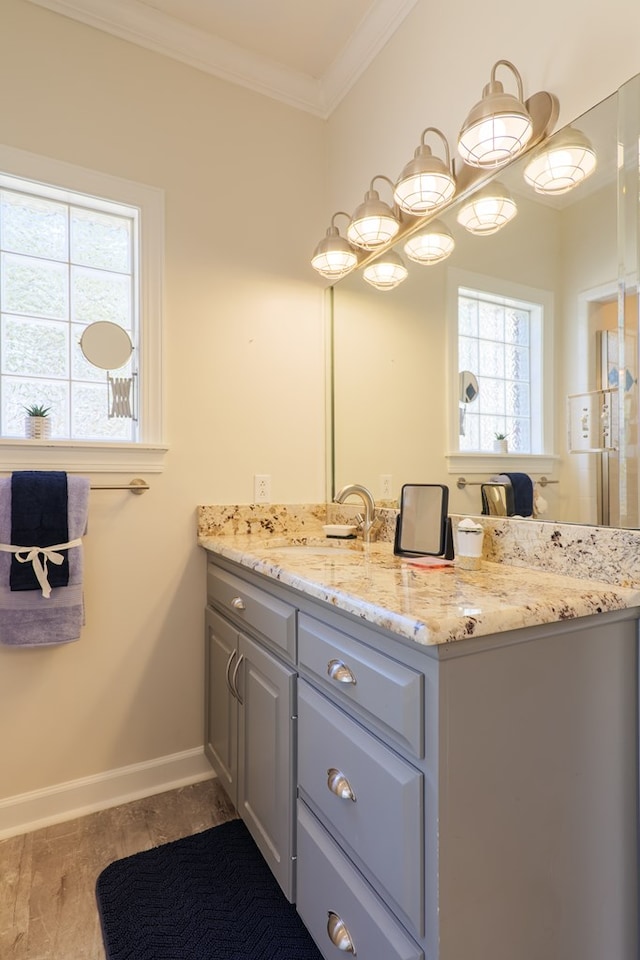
column 147, row 453
column 459, row 461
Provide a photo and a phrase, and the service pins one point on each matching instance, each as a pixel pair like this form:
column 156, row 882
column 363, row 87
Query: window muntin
column 499, row 339
column 65, row 262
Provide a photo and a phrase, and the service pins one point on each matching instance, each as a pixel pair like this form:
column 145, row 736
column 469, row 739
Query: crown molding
column 140, row 24
column 374, row 32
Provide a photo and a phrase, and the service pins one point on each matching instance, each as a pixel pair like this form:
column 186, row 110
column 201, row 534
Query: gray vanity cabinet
column 469, row 799
column 221, row 705
column 249, row 710
column 361, row 802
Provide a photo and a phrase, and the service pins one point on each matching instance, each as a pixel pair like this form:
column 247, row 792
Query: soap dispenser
column 469, row 547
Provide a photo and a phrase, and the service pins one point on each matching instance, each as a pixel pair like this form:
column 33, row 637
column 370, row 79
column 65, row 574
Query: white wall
column 244, row 377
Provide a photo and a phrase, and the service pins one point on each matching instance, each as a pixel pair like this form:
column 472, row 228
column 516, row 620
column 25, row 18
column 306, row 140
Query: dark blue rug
column 210, row 896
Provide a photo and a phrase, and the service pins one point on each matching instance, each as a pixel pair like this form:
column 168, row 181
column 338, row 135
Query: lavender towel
column 27, row 619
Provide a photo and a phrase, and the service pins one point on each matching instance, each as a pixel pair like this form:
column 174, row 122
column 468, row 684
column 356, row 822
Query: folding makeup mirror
column 423, row 522
column 108, row 346
column 469, row 390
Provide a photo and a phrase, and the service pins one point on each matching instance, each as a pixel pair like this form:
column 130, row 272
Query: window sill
column 81, row 455
column 490, row 463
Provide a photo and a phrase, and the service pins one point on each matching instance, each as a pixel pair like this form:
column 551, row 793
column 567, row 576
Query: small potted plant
column 36, row 423
column 500, row 444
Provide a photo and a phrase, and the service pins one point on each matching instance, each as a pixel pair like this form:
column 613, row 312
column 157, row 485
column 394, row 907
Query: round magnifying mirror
column 469, row 388
column 106, row 345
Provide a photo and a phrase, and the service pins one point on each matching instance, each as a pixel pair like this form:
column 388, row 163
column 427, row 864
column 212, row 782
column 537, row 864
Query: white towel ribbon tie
column 40, row 566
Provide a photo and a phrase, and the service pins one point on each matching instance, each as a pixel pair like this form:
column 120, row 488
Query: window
column 502, row 331
column 78, row 247
column 64, row 266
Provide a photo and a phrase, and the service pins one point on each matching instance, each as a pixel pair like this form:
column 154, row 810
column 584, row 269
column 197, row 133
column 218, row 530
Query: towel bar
column 137, row 486
column 462, row 483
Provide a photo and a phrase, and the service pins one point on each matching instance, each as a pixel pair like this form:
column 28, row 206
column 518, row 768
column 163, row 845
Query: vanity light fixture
column 431, row 245
column 488, row 210
column 386, row 272
column 374, row 223
column 565, row 161
column 426, row 182
column 334, row 256
column 498, row 127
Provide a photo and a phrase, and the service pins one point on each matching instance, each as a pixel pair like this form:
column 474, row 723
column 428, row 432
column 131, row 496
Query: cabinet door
column 221, row 707
column 266, row 780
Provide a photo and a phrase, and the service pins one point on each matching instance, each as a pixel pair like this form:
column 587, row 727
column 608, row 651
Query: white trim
column 490, row 463
column 379, row 25
column 25, row 812
column 143, row 25
column 79, row 455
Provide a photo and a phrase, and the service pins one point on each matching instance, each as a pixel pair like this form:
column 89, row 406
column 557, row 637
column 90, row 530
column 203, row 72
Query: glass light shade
column 386, row 272
column 488, row 210
column 373, row 223
column 564, row 163
column 425, row 184
column 498, row 127
column 431, row 245
column 334, row 257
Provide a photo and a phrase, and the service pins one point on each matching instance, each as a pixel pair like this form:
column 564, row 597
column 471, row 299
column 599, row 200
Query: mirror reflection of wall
column 396, row 376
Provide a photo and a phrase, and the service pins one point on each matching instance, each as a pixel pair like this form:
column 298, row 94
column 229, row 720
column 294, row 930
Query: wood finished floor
column 47, row 877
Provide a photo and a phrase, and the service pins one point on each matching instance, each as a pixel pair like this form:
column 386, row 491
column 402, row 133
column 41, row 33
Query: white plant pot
column 37, row 428
column 500, row 446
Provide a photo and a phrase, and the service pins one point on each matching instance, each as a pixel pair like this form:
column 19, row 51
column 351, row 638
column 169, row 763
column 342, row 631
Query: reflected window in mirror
column 499, row 337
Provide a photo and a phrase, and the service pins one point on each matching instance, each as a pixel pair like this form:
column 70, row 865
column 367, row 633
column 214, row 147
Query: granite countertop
column 427, row 605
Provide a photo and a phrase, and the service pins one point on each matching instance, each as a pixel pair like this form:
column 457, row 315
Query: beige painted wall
column 244, row 337
column 434, row 68
column 244, row 377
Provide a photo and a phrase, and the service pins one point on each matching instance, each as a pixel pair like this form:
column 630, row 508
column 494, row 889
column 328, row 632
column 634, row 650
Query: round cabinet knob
column 340, row 672
column 338, row 933
column 237, row 603
column 338, row 784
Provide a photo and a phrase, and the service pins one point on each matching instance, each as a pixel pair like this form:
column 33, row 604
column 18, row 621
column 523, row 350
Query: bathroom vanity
column 435, row 764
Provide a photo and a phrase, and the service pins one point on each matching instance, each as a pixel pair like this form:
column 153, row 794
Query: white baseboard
column 76, row 798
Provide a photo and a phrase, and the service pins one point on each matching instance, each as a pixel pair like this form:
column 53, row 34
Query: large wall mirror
column 397, row 406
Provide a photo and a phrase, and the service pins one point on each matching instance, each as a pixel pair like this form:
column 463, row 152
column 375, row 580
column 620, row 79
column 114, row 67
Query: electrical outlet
column 262, row 488
column 386, row 486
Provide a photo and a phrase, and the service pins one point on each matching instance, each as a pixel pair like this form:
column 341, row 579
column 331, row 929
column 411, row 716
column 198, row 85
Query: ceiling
column 306, row 54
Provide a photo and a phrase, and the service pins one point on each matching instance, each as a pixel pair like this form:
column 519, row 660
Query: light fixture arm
column 332, row 227
column 380, row 176
column 447, row 152
column 374, row 195
column 495, row 85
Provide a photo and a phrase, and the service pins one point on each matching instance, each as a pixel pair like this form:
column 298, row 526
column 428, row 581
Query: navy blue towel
column 522, row 494
column 38, row 519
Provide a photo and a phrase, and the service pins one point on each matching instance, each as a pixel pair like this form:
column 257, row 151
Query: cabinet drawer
column 328, row 884
column 389, row 694
column 382, row 827
column 272, row 618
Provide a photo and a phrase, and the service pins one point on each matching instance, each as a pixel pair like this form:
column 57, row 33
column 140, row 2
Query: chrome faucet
column 369, row 506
